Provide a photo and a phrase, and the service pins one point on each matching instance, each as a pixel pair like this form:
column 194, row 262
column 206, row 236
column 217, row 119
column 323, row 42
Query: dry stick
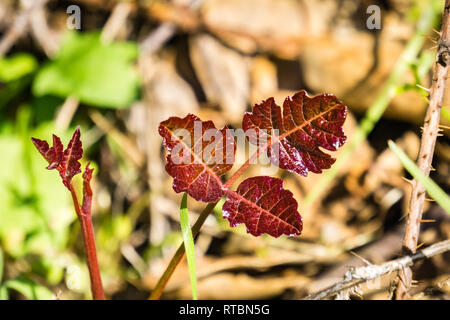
column 429, row 135
column 42, row 32
column 20, row 25
column 84, row 216
column 15, row 31
column 116, row 20
column 129, row 147
column 361, row 275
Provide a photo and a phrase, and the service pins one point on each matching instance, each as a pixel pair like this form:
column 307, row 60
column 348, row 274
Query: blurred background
column 118, row 68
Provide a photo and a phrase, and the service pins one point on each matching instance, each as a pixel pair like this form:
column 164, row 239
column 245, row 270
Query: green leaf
column 188, row 244
column 445, row 112
column 430, row 186
column 96, row 73
column 4, row 293
column 1, row 265
column 15, row 76
column 29, row 288
column 17, row 66
column 33, row 220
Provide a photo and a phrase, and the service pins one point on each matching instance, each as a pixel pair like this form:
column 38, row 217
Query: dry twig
column 360, row 275
column 430, row 133
column 20, row 24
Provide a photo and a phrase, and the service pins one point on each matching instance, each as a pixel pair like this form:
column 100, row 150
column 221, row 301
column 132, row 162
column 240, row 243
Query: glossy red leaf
column 197, row 155
column 305, row 125
column 54, row 154
column 70, row 165
column 263, row 206
column 66, row 162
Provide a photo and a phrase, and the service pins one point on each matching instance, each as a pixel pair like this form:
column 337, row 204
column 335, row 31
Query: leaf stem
column 179, row 254
column 188, row 241
column 85, row 219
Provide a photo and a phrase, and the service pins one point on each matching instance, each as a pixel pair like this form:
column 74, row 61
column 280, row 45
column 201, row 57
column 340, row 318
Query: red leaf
column 54, row 154
column 65, row 162
column 70, row 165
column 197, row 167
column 306, row 124
column 264, row 206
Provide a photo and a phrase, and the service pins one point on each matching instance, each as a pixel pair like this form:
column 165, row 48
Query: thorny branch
column 360, row 275
column 425, row 157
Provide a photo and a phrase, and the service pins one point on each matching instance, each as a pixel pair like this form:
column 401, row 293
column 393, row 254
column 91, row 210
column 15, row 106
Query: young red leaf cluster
column 68, row 165
column 292, row 139
column 67, row 161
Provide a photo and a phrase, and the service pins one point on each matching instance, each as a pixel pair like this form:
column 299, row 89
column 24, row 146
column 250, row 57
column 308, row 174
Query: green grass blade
column 445, row 113
column 1, row 265
column 4, row 295
column 430, row 186
column 28, row 288
column 188, row 244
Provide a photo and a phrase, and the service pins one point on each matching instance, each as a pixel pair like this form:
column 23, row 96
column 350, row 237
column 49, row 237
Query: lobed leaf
column 263, row 206
column 305, row 125
column 197, row 155
column 67, row 161
column 70, row 165
column 54, row 154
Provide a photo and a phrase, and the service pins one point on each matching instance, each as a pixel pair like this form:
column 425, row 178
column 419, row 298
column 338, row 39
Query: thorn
column 438, row 32
column 427, row 220
column 421, row 87
column 431, row 38
column 408, row 180
column 439, row 135
column 429, row 199
column 431, row 168
column 443, row 127
column 358, row 256
column 421, row 244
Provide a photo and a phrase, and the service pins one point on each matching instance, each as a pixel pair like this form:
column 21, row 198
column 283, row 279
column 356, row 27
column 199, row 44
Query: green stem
column 188, row 241
column 157, row 291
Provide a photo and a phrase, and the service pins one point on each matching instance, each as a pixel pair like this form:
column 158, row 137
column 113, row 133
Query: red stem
column 89, row 246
